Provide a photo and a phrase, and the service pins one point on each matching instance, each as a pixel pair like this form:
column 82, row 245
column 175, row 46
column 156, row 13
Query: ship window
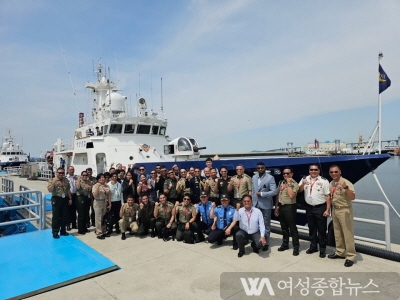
column 89, row 145
column 115, row 128
column 162, row 131
column 184, row 145
column 143, row 129
column 129, row 128
column 154, row 130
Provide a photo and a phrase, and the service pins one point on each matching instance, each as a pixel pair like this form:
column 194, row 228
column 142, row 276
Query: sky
column 237, row 75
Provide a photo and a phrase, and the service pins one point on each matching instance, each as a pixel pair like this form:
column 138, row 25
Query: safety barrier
column 13, row 170
column 386, row 223
column 7, row 185
column 45, row 175
column 22, row 207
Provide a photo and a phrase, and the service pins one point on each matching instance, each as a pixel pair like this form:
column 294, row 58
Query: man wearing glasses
column 286, row 209
column 342, row 192
column 221, row 187
column 170, row 187
column 264, row 188
column 241, row 185
column 186, row 216
column 318, row 205
column 61, row 197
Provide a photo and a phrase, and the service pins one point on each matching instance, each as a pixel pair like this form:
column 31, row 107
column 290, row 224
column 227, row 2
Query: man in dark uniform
column 145, row 216
column 221, row 188
column 93, row 181
column 223, row 225
column 204, row 209
column 161, row 177
column 61, row 197
column 197, row 185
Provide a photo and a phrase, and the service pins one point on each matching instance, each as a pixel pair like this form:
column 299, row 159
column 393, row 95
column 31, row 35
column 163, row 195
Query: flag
column 384, row 81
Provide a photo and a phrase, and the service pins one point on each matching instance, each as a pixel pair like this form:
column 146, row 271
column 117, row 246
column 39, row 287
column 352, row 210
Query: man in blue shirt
column 204, row 209
column 251, row 224
column 223, row 225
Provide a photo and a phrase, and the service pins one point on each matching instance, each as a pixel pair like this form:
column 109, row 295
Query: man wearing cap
column 223, row 224
column 264, row 188
column 251, row 224
column 241, row 185
column 204, row 209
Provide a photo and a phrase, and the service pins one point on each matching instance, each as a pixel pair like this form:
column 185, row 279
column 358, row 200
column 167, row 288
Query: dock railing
column 13, row 170
column 386, row 223
column 30, row 206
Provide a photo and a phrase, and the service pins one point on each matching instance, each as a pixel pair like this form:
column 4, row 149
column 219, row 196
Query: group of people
column 187, row 206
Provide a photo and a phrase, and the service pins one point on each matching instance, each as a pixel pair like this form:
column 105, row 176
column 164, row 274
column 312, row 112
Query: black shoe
column 131, row 233
column 87, row 225
column 311, row 251
column 322, row 254
column 100, row 237
column 255, row 249
column 335, row 256
column 348, row 263
column 64, row 233
column 86, row 230
column 153, row 235
column 283, row 248
column 235, row 247
column 265, row 248
column 173, row 237
column 219, row 242
column 56, row 236
column 123, row 237
column 81, row 232
column 68, row 228
column 296, row 252
column 240, row 254
column 106, row 235
column 167, row 239
column 93, row 225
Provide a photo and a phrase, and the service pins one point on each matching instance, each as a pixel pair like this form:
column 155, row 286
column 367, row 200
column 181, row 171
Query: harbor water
column 367, row 189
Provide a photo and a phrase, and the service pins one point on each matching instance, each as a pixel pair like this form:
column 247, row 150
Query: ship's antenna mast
column 151, row 89
column 139, row 84
column 69, row 74
column 116, row 61
column 162, row 102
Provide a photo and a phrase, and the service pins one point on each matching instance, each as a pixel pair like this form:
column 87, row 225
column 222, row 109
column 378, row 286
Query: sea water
column 367, row 189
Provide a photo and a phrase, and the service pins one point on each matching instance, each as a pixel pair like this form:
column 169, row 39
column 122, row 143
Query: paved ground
column 153, row 269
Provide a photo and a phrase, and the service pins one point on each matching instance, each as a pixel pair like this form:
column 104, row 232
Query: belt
column 341, row 206
column 317, row 205
column 283, row 204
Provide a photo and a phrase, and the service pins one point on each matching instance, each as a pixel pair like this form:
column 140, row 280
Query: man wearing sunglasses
column 342, row 193
column 264, row 188
column 61, row 197
column 318, row 205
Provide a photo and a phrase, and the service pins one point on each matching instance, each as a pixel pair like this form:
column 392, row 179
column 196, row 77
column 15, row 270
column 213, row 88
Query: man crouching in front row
column 223, row 225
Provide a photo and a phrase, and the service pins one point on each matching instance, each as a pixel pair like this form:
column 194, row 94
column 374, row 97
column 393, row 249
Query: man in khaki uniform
column 241, row 184
column 286, row 209
column 164, row 215
column 342, row 193
column 61, row 197
column 128, row 214
column 186, row 216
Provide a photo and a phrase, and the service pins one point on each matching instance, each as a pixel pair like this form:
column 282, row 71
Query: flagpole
column 380, row 112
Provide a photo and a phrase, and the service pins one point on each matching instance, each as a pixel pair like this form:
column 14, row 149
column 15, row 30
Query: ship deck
column 153, row 269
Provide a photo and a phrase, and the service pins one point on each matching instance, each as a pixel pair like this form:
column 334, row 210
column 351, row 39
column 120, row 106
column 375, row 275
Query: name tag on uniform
column 63, row 195
column 237, row 195
column 310, row 199
column 130, row 219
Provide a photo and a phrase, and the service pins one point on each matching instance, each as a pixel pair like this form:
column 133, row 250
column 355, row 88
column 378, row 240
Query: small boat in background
column 12, row 155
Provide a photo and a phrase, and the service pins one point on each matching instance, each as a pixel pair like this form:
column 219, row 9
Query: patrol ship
column 11, row 155
column 113, row 136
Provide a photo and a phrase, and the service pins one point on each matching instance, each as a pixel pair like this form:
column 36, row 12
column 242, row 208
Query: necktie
column 225, row 221
column 205, row 213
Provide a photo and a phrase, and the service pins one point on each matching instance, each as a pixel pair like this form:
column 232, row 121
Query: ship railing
column 386, row 223
column 30, row 206
column 13, row 170
column 67, row 145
